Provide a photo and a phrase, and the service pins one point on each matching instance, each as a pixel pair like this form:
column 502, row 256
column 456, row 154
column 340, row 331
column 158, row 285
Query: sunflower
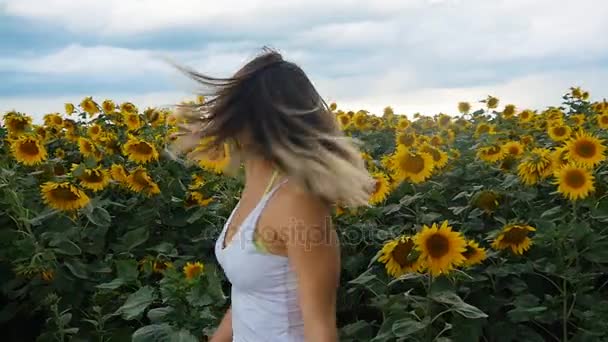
column 440, row 158
column 89, row 106
column 381, row 188
column 343, row 120
column 140, row 181
column 87, row 148
column 132, row 121
column 559, row 158
column 160, row 266
column 63, row 196
column 108, row 106
column 527, row 140
column 602, row 120
column 69, row 108
column 216, row 159
column 197, row 182
column 450, row 135
column 444, row 121
column 94, row 179
column 193, row 269
column 509, row 111
column 473, row 254
column 440, row 248
column 53, row 120
column 526, row 116
column 406, row 139
column 47, row 275
column 491, row 154
column 94, row 131
column 28, row 150
column 464, row 107
column 559, row 132
column 492, row 102
column 484, row 128
column 403, row 124
column 576, row 92
column 486, row 200
column 196, row 199
column 574, row 182
column 586, row 150
column 408, row 165
column 399, row 256
column 16, row 123
column 515, row 237
column 513, row 149
column 128, row 108
column 59, row 153
column 360, row 120
column 578, row 119
column 118, row 173
column 436, row 141
column 535, row 167
column 139, row 151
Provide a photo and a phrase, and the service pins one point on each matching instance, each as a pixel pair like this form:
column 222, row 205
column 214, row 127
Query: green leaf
column 90, row 162
column 47, row 213
column 197, row 215
column 134, row 238
column 153, row 333
column 552, row 212
column 158, row 314
column 98, row 216
column 79, row 170
column 65, row 319
column 597, row 253
column 112, row 285
column 66, row 247
column 520, row 314
column 127, row 270
column 407, row 326
column 77, row 268
column 183, row 336
column 137, row 302
column 455, row 302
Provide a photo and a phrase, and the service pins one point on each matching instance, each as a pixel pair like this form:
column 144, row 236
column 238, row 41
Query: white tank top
column 264, row 294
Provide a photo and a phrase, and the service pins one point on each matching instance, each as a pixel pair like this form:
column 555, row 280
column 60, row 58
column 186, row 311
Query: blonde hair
column 273, row 103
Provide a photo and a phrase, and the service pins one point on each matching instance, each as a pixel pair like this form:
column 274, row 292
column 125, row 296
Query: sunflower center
column 140, row 178
column 586, row 149
column 142, row 148
column 437, row 245
column 63, row 194
column 515, row 236
column 343, row 120
column 407, row 139
column 483, row 129
column 444, row 121
column 493, row 150
column 559, row 131
column 604, row 119
column 377, row 186
column 402, row 251
column 433, row 152
column 514, row 149
column 30, row 148
column 469, row 252
column 93, row 177
column 19, row 125
column 575, row 179
column 413, row 164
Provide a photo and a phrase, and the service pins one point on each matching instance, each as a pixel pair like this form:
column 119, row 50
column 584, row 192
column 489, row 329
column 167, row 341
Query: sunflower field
column 489, row 225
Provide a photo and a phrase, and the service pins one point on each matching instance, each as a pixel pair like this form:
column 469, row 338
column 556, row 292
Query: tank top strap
column 259, row 208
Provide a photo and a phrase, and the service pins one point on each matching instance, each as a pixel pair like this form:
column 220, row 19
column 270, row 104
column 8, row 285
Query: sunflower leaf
column 153, row 332
column 407, row 326
column 455, row 302
column 137, row 302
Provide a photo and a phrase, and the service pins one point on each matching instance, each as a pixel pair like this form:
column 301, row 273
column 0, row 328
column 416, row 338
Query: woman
column 278, row 248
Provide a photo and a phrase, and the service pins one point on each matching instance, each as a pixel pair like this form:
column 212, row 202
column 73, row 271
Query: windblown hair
column 274, row 105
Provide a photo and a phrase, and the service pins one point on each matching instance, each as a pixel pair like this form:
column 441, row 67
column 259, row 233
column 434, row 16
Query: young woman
column 278, row 248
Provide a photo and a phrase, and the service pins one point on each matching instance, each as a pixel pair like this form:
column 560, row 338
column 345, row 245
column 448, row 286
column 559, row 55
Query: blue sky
column 415, row 55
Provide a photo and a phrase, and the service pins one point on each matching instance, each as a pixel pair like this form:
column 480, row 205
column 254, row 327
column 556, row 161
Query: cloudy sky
column 415, row 55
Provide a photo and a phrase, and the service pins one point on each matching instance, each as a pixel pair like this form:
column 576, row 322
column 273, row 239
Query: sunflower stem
column 429, row 328
column 565, row 311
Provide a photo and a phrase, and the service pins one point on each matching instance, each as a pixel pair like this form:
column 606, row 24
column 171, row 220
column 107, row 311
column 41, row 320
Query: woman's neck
column 257, row 171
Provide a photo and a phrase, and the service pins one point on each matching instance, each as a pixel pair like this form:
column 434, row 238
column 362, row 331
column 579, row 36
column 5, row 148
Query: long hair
column 274, row 105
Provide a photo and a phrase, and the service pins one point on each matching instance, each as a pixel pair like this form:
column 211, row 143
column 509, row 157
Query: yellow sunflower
column 95, row 131
column 28, row 150
column 436, row 140
column 195, row 198
column 53, row 120
column 139, row 181
column 559, row 158
column 484, row 128
column 513, row 149
column 87, row 148
column 69, row 108
column 89, row 106
column 63, row 196
column 160, row 266
column 408, row 165
column 515, row 237
column 216, row 159
column 132, row 121
column 444, row 121
column 343, row 120
column 406, row 139
column 526, row 116
column 17, row 123
column 578, row 119
column 576, row 92
column 197, row 182
column 509, row 111
column 399, row 256
column 491, row 153
column 559, row 132
column 381, row 188
column 403, row 124
column 535, row 167
column 527, row 140
column 440, row 158
column 119, row 173
column 94, row 179
column 486, row 200
column 492, row 102
column 127, row 108
column 440, row 248
column 108, row 106
column 586, row 150
column 47, row 275
column 574, row 182
column 193, row 269
column 59, row 153
column 360, row 120
column 473, row 254
column 140, row 151
column 602, row 120
column 464, row 107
